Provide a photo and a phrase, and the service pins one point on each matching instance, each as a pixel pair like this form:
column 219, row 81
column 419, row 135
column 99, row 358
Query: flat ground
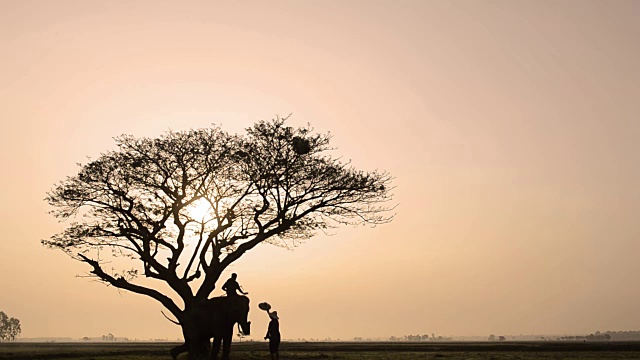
column 338, row 350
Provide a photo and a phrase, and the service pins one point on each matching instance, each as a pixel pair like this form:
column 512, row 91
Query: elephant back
column 217, row 306
column 239, row 300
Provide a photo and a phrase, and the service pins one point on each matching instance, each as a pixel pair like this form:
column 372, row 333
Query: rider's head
column 234, row 275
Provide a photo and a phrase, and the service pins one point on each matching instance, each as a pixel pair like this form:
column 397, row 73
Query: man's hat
column 274, row 315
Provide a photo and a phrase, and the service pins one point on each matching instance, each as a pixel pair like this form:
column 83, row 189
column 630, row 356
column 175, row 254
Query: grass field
column 343, row 351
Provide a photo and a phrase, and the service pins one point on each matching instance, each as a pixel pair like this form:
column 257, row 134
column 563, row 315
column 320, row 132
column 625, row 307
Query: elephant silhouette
column 215, row 318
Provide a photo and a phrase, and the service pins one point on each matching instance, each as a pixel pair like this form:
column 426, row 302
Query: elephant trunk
column 244, row 328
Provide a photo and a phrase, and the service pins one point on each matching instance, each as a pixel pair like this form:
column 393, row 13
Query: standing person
column 231, row 286
column 273, row 334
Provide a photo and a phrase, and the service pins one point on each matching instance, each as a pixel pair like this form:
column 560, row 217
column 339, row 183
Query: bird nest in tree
column 301, row 146
column 264, row 306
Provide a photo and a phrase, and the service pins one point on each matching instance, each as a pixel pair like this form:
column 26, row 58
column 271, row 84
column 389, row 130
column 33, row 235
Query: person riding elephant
column 231, row 286
column 215, row 318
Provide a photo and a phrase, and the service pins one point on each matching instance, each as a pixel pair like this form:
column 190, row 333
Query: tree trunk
column 196, row 339
column 199, row 349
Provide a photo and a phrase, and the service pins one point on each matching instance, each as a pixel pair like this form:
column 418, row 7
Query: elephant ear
column 264, row 306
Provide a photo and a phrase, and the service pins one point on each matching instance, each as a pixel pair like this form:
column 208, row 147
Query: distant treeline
column 607, row 335
column 419, row 338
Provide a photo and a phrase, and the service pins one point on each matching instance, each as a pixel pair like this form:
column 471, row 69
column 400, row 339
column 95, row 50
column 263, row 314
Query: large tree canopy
column 185, row 205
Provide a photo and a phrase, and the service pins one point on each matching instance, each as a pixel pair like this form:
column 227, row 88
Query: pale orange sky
column 511, row 128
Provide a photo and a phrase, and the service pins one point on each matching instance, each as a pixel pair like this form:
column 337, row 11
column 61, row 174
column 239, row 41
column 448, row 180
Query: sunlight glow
column 200, row 210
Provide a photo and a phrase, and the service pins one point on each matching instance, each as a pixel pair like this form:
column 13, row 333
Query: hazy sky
column 512, row 128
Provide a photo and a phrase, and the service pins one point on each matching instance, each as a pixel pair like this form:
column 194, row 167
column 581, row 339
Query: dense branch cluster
column 276, row 184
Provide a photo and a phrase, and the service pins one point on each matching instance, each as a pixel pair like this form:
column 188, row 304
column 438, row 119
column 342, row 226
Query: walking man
column 273, row 334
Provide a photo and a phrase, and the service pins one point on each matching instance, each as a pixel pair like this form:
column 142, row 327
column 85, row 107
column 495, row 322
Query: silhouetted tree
column 276, row 184
column 9, row 327
column 240, row 336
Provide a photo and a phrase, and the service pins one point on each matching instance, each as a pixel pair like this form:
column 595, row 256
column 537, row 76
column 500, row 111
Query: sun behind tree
column 186, row 205
column 200, row 210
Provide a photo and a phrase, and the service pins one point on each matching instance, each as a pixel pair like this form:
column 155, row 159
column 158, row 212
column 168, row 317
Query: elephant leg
column 216, row 347
column 227, row 336
column 179, row 350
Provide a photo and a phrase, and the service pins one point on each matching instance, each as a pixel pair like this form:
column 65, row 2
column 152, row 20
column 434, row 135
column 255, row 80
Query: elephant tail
column 175, row 322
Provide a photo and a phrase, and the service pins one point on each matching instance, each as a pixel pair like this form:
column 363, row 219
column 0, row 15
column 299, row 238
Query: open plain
column 547, row 350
